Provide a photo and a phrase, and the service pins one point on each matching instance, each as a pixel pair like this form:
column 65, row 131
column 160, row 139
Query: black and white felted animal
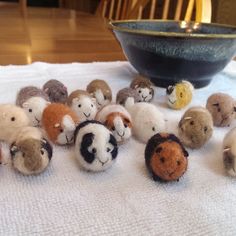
column 95, row 147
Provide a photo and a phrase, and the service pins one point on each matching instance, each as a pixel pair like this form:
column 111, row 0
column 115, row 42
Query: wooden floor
column 56, row 36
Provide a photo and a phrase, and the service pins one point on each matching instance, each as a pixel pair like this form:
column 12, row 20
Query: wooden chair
column 149, row 9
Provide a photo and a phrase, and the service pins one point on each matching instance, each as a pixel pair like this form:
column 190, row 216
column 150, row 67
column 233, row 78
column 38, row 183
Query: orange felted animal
column 59, row 122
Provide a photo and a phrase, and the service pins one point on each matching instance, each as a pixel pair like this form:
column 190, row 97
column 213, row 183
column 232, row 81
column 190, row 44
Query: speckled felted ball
column 179, row 95
column 56, row 91
column 195, row 127
column 100, row 90
column 166, row 158
column 59, row 122
column 229, row 152
column 29, row 92
column 124, row 94
column 222, row 108
column 144, row 87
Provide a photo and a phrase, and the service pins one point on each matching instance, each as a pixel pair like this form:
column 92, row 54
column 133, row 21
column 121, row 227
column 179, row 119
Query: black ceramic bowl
column 170, row 51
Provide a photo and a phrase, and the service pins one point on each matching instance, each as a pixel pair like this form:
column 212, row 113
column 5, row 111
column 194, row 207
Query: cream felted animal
column 229, row 152
column 33, row 100
column 118, row 120
column 30, row 151
column 147, row 120
column 100, row 90
column 83, row 104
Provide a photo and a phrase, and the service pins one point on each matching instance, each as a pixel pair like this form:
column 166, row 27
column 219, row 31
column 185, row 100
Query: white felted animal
column 83, row 104
column 30, row 151
column 147, row 120
column 118, row 120
column 95, row 146
column 12, row 118
column 229, row 152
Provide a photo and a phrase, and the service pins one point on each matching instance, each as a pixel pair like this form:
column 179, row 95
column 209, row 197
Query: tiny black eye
column 94, row 150
column 30, row 110
column 162, row 159
column 23, row 154
column 181, row 95
column 42, row 152
column 113, row 128
column 139, row 91
column 105, row 97
column 13, row 118
column 150, row 93
column 79, row 105
column 178, row 163
column 91, row 105
column 205, row 129
column 192, row 122
column 125, row 125
column 61, row 130
column 219, row 110
column 153, row 129
column 108, row 149
column 62, row 93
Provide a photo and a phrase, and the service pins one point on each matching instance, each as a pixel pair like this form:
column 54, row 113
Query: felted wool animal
column 59, row 122
column 33, row 100
column 127, row 95
column 30, row 151
column 100, row 90
column 195, row 127
column 95, row 146
column 229, row 152
column 56, row 91
column 222, row 108
column 12, row 118
column 147, row 120
column 179, row 95
column 83, row 104
column 118, row 120
column 144, row 87
column 166, row 158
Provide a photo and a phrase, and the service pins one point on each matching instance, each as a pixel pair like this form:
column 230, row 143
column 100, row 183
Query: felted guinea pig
column 147, row 120
column 166, row 158
column 12, row 118
column 127, row 95
column 95, row 146
column 195, row 127
column 56, row 91
column 144, row 87
column 59, row 122
column 100, row 90
column 222, row 108
column 179, row 95
column 33, row 100
column 118, row 120
column 83, row 104
column 229, row 152
column 30, row 151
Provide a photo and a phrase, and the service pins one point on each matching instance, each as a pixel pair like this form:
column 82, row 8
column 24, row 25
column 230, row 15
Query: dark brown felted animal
column 222, row 108
column 166, row 158
column 56, row 91
column 126, row 93
column 30, row 91
column 195, row 127
column 77, row 94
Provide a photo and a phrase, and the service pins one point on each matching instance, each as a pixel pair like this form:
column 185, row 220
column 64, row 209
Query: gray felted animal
column 127, row 95
column 222, row 108
column 56, row 91
column 195, row 127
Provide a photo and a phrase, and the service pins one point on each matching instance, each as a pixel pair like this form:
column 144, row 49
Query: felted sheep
column 144, row 87
column 195, row 127
column 179, row 95
column 229, row 152
column 33, row 100
column 30, row 151
column 83, row 104
column 59, row 122
column 166, row 158
column 95, row 146
column 117, row 119
column 100, row 90
column 127, row 95
column 147, row 120
column 222, row 108
column 56, row 91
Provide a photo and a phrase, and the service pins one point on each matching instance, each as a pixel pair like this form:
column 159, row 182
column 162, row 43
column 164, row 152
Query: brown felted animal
column 222, row 108
column 56, row 91
column 195, row 127
column 144, row 87
column 59, row 122
column 166, row 158
column 100, row 90
column 126, row 95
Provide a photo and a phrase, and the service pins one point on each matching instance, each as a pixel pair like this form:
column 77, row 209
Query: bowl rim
column 171, row 34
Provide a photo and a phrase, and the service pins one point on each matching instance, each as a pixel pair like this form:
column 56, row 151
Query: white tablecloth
column 124, row 200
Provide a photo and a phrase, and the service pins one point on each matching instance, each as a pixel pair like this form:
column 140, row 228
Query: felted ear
column 25, row 105
column 94, row 100
column 68, row 123
column 75, row 100
column 136, row 86
column 14, row 149
column 169, row 89
column 46, row 90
